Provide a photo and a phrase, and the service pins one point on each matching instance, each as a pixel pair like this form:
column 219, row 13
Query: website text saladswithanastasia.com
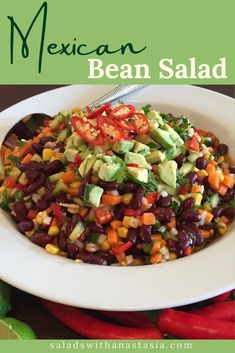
column 119, row 346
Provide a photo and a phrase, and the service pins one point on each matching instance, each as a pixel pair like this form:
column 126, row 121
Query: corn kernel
column 40, row 217
column 105, row 246
column 53, row 231
column 52, row 249
column 182, row 197
column 75, row 184
column 29, row 233
column 126, row 198
column 202, row 173
column 122, row 232
column 221, row 160
column 207, row 155
column 172, row 256
column 23, row 180
column 47, row 154
column 131, row 222
column 198, row 199
column 222, row 228
column 207, row 207
column 195, row 169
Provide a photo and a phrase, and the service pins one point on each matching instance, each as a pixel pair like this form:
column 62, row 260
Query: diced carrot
column 23, row 150
column 222, row 190
column 208, row 215
column 171, row 224
column 156, row 258
column 210, row 168
column 8, row 152
column 213, row 162
column 94, row 179
column 204, row 233
column 111, row 200
column 155, row 247
column 116, row 224
column 148, row 218
column 27, row 158
column 68, row 177
column 112, row 237
column 214, row 180
column 196, row 188
column 58, row 155
column 46, row 131
column 121, row 257
column 188, row 251
column 226, row 172
column 228, row 181
column 73, row 191
column 83, row 211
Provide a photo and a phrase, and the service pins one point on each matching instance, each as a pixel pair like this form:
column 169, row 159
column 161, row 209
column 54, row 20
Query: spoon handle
column 117, row 93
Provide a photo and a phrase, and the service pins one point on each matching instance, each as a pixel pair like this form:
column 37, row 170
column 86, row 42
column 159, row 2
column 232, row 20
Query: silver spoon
column 27, row 126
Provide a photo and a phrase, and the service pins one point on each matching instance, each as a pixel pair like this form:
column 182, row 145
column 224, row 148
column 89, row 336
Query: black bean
column 62, row 198
column 127, row 187
column 232, row 169
column 61, row 240
column 38, row 148
column 205, row 198
column 164, row 201
column 84, row 182
column 96, row 228
column 132, row 235
column 222, row 149
column 138, row 197
column 216, row 211
column 229, row 195
column 119, row 211
column 192, row 177
column 206, row 184
column 200, row 240
column 53, row 167
column 31, row 174
column 20, row 210
column 36, row 184
column 41, row 239
column 190, row 216
column 109, row 258
column 38, row 166
column 163, row 214
column 145, row 234
column 91, row 258
column 72, row 250
column 229, row 213
column 108, row 185
column 25, row 226
column 180, row 160
column 44, row 140
column 191, row 229
column 201, row 163
column 172, row 244
column 184, row 240
column 42, row 204
column 188, row 203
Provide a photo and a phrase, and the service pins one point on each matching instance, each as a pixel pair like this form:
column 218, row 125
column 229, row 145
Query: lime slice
column 5, row 295
column 13, row 329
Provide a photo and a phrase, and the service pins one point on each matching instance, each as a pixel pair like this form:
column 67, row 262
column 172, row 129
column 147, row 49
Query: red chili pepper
column 130, row 318
column 133, row 165
column 122, row 248
column 91, row 327
column 109, row 129
column 19, row 186
column 220, row 311
column 98, row 111
column 87, row 131
column 151, row 198
column 194, row 144
column 32, row 214
column 221, row 297
column 142, row 125
column 10, row 182
column 103, row 214
column 130, row 212
column 125, row 124
column 191, row 326
column 57, row 212
column 122, row 111
column 184, row 190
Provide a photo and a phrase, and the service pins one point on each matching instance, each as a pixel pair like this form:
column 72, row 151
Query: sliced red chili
column 87, row 131
column 109, row 129
column 122, row 248
column 123, row 111
column 92, row 114
column 125, row 124
column 56, row 209
column 130, row 212
column 184, row 190
column 142, row 125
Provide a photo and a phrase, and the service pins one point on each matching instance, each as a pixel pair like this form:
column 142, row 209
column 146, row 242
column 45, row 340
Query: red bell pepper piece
column 153, row 197
column 194, row 144
column 184, row 190
column 76, row 163
column 132, row 213
column 19, row 187
column 142, row 125
column 92, row 114
column 32, row 214
column 87, row 131
column 10, row 182
column 122, row 112
column 103, row 214
column 57, row 212
column 109, row 129
column 122, row 248
column 133, row 165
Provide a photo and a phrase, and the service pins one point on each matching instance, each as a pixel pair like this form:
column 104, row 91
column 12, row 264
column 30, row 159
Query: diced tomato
column 132, row 213
column 87, row 131
column 122, row 111
column 57, row 212
column 62, row 126
column 109, row 129
column 10, row 182
column 142, row 125
column 92, row 114
column 19, row 187
column 122, row 248
column 194, row 144
column 184, row 190
column 103, row 214
column 32, row 214
column 153, row 197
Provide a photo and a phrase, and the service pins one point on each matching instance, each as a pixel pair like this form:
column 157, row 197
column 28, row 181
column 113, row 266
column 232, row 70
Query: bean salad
column 118, row 186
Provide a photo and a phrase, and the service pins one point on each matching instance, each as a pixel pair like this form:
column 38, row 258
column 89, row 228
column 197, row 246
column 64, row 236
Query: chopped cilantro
column 159, row 228
column 182, row 127
column 20, row 143
column 18, row 195
column 146, row 108
column 169, row 154
column 176, row 207
column 181, row 180
column 14, row 159
column 146, row 248
column 93, row 237
column 122, row 173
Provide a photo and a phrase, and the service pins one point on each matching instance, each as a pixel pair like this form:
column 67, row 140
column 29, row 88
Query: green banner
column 120, row 346
column 151, row 41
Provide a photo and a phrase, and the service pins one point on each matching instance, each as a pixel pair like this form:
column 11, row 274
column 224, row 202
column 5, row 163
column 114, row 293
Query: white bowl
column 202, row 275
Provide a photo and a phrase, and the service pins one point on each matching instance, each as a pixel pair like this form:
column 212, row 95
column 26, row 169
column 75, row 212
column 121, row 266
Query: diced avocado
column 171, row 153
column 83, row 147
column 174, row 135
column 167, row 172
column 62, row 135
column 214, row 200
column 96, row 166
column 136, row 158
column 56, row 121
column 86, row 165
column 59, row 188
column 123, row 146
column 55, row 177
column 92, row 195
column 107, row 171
column 2, row 171
column 109, row 159
column 164, row 187
column 4, row 199
column 70, row 154
column 186, row 168
column 193, row 156
column 76, row 139
column 77, row 231
column 140, row 174
column 141, row 148
column 103, row 148
column 86, row 153
column 147, row 140
column 155, row 157
column 154, row 115
column 154, row 124
column 163, row 137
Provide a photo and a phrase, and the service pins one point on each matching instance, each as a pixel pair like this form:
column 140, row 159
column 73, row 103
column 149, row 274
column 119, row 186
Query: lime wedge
column 13, row 329
column 5, row 295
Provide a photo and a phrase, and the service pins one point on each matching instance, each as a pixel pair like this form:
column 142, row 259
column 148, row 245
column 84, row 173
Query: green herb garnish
column 14, row 159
